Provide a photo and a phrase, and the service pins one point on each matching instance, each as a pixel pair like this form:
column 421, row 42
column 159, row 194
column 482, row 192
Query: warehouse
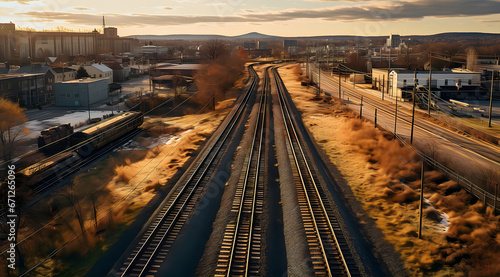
column 78, row 93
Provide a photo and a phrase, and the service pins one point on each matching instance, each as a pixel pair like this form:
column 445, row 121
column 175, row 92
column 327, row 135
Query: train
column 84, row 143
column 48, row 168
column 55, row 138
column 104, row 132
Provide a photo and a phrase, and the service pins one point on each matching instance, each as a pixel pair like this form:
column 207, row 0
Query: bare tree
column 213, row 50
column 69, row 194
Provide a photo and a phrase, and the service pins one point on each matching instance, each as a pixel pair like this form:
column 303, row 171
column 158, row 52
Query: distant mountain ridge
column 256, row 35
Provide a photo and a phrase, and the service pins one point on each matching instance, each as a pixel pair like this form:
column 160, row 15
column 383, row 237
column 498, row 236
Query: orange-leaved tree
column 11, row 116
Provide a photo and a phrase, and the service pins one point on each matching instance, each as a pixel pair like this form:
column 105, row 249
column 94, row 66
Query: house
column 97, row 71
column 64, row 74
column 119, row 74
column 81, row 92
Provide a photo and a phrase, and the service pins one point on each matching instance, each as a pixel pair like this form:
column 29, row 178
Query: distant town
column 248, row 155
column 39, row 65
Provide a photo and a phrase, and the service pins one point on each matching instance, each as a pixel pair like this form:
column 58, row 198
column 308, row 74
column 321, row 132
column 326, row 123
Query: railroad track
column 155, row 243
column 329, row 252
column 49, row 183
column 241, row 246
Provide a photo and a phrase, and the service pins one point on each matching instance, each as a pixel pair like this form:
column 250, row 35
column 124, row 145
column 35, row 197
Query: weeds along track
column 330, row 255
column 154, row 244
column 240, row 252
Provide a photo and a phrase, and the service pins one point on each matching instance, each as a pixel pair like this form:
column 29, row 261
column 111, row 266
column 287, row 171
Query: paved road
column 467, row 156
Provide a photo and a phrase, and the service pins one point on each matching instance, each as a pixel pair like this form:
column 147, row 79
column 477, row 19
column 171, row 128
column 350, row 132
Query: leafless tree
column 213, row 50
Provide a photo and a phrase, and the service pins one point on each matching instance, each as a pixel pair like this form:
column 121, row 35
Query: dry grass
column 384, row 177
column 153, row 187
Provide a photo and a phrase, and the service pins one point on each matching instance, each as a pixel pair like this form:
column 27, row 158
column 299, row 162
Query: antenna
column 103, row 23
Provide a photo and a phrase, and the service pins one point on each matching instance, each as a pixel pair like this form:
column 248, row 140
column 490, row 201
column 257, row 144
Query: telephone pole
column 420, row 214
column 491, row 97
column 429, row 95
column 413, row 112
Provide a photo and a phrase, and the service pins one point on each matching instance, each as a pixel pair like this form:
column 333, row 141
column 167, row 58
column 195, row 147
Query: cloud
column 168, row 8
column 381, row 11
column 82, row 9
column 490, row 21
column 24, row 2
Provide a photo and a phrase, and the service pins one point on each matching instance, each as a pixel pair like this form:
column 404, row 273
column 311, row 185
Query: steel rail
column 293, row 136
column 260, row 123
column 224, row 134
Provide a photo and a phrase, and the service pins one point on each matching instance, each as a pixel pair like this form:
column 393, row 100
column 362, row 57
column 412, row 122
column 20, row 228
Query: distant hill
column 255, row 35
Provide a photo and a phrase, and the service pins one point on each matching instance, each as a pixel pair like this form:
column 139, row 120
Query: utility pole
column 421, row 201
column 354, row 81
column 319, row 78
column 396, row 116
column 390, row 55
column 491, row 97
column 361, row 108
column 429, row 95
column 413, row 112
column 307, row 62
column 88, row 104
column 383, row 86
column 340, row 83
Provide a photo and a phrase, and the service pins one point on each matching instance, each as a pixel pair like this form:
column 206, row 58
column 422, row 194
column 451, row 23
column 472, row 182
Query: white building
column 97, row 71
column 64, row 74
column 394, row 82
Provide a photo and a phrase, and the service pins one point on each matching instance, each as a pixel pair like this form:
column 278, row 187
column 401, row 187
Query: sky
column 277, row 17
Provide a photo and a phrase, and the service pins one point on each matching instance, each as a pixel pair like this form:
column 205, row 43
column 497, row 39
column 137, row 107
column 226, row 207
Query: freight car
column 104, row 132
column 55, row 139
column 47, row 169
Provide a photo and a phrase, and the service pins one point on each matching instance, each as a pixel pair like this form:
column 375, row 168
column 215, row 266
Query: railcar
column 48, row 168
column 55, row 139
column 104, row 132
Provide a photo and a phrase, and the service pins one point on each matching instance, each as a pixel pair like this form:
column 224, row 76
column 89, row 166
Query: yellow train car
column 104, row 132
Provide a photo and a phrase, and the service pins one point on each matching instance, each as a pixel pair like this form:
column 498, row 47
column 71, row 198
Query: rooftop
column 434, row 72
column 85, row 81
column 19, row 75
column 63, row 69
column 181, row 67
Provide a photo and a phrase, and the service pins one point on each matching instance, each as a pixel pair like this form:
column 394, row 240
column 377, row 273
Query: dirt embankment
column 460, row 237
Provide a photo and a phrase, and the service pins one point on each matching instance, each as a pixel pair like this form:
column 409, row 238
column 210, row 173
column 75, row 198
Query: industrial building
column 151, row 51
column 262, row 45
column 188, row 70
column 17, row 46
column 290, row 46
column 81, row 92
column 249, row 45
column 393, row 41
column 456, row 84
column 30, row 90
